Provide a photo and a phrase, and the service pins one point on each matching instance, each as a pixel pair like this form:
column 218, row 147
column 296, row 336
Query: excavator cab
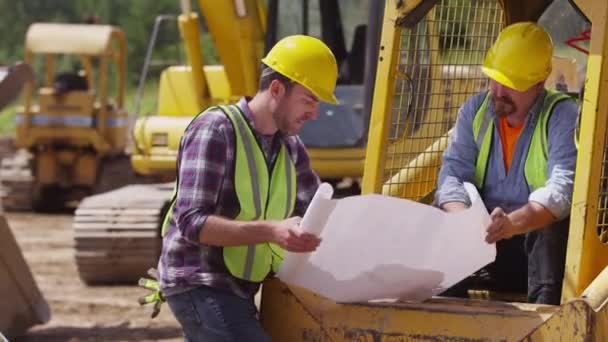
column 72, row 125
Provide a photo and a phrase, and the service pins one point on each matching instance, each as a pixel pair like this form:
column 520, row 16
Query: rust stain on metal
column 310, row 335
column 501, row 312
column 379, row 336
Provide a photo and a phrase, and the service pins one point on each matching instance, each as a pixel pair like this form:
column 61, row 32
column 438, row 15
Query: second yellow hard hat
column 520, row 57
column 307, row 61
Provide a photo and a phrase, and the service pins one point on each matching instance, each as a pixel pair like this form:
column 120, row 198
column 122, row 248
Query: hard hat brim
column 516, row 84
column 328, row 98
column 322, row 96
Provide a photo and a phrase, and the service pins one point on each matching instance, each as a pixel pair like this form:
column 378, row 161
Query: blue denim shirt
column 510, row 190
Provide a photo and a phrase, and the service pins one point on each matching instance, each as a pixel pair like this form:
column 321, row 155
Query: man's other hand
column 500, row 227
column 289, row 236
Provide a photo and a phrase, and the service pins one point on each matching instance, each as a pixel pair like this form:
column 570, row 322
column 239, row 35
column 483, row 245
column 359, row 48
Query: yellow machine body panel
column 177, row 96
column 415, row 104
column 158, row 136
column 587, row 253
column 302, row 316
column 337, row 162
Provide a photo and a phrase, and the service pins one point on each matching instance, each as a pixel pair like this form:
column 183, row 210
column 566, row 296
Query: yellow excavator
column 429, row 61
column 117, row 234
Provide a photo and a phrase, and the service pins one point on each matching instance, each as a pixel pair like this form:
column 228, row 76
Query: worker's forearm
column 219, row 231
column 530, row 217
column 452, row 207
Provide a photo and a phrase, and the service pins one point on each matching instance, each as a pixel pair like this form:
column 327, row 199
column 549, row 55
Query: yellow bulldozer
column 117, row 234
column 71, row 130
column 427, row 67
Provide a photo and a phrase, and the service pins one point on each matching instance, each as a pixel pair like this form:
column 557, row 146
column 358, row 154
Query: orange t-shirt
column 508, row 137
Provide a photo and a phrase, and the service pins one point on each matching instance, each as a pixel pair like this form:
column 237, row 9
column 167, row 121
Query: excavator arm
column 237, row 29
column 238, row 35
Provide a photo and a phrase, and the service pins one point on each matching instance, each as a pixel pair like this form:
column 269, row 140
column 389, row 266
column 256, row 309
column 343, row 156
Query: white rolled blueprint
column 377, row 247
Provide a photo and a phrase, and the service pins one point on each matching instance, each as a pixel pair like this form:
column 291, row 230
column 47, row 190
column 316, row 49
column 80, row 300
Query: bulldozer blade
column 12, row 80
column 23, row 305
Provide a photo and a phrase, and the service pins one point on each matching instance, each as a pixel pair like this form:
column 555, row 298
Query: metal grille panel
column 438, row 69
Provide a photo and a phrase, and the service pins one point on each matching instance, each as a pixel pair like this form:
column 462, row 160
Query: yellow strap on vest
column 483, row 141
column 536, row 161
column 535, row 168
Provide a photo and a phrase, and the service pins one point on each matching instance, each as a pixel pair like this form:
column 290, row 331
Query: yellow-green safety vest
column 264, row 193
column 535, row 169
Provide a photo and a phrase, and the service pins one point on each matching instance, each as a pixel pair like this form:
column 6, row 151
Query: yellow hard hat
column 307, row 61
column 520, row 57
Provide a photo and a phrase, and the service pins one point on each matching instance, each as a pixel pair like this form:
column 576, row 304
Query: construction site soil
column 80, row 312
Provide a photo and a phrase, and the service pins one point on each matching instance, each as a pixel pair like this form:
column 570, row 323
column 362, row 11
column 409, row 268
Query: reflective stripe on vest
column 263, row 192
column 535, row 169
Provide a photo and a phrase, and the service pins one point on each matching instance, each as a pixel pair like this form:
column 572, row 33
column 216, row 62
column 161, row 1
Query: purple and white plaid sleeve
column 201, row 171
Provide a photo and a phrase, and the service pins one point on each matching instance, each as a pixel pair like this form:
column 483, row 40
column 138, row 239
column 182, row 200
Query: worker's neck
column 262, row 115
column 517, row 119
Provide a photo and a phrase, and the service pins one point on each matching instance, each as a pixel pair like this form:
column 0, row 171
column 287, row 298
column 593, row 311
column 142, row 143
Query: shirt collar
column 244, row 106
column 537, row 105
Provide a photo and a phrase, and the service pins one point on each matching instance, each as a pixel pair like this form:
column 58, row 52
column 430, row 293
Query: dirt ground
column 79, row 312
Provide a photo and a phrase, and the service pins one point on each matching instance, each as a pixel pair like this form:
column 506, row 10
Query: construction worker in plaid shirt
column 244, row 181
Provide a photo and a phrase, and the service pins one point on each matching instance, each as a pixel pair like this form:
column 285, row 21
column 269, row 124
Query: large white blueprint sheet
column 380, row 247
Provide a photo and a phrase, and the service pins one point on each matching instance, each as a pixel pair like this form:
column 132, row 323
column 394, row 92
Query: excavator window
column 345, row 26
column 341, row 24
column 68, row 81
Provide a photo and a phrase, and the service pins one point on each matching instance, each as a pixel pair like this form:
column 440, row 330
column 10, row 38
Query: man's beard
column 280, row 121
column 503, row 106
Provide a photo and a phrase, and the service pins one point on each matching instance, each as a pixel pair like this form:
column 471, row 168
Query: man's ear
column 540, row 86
column 277, row 90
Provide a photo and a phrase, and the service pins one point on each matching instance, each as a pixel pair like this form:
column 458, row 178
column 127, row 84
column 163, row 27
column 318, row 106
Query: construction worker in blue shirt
column 515, row 143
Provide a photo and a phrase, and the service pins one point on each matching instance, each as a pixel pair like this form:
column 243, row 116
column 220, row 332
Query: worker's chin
column 294, row 129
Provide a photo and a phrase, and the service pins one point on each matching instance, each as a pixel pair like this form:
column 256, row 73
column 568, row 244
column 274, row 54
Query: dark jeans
column 209, row 314
column 532, row 263
column 546, row 249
